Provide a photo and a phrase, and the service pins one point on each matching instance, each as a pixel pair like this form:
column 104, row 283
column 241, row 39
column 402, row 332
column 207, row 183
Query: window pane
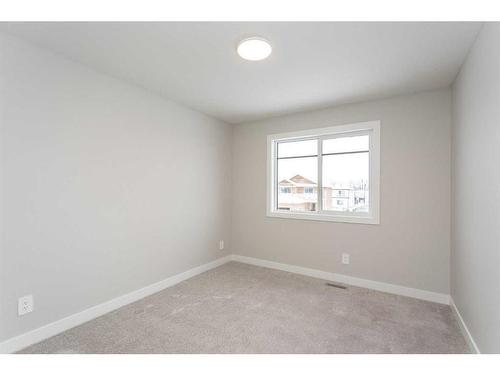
column 346, row 144
column 345, row 182
column 297, row 148
column 297, row 184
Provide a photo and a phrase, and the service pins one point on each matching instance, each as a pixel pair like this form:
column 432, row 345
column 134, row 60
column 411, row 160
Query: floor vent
column 337, row 285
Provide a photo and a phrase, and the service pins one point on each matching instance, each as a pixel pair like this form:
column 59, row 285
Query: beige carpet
column 238, row 308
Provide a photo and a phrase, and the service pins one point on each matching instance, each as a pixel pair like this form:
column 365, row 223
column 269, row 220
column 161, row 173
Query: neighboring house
column 348, row 199
column 300, row 194
column 342, row 199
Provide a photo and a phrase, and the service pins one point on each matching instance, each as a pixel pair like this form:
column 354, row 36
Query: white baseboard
column 463, row 327
column 364, row 283
column 32, row 337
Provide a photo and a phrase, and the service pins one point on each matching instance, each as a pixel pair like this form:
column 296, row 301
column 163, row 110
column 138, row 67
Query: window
column 329, row 174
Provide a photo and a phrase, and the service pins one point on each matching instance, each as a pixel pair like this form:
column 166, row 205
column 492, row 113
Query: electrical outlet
column 25, row 305
column 221, row 245
column 346, row 259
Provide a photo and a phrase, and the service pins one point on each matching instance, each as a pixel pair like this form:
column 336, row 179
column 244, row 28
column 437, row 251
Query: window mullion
column 276, row 187
column 320, row 176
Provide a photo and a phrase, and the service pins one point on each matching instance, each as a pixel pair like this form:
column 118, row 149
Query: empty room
column 249, row 187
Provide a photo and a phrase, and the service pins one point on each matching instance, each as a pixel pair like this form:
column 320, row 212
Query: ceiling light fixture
column 254, row 49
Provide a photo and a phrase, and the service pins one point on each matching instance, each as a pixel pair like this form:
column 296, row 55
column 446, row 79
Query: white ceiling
column 313, row 65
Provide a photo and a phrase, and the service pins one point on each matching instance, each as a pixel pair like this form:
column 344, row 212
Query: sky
column 337, row 169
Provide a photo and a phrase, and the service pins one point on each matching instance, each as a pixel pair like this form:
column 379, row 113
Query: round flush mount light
column 254, row 49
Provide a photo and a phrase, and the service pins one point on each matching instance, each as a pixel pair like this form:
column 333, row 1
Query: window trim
column 372, row 217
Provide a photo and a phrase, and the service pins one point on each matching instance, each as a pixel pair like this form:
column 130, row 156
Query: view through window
column 340, row 164
column 297, row 167
column 346, row 174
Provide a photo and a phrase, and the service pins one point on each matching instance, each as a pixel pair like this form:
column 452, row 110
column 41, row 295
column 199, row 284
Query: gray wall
column 475, row 255
column 410, row 247
column 105, row 188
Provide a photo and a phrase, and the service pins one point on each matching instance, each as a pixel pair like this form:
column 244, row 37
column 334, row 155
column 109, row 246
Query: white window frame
column 371, row 128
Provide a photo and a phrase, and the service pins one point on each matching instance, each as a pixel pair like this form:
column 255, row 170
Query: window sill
column 323, row 217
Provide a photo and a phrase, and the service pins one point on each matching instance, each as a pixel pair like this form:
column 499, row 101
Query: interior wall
column 410, row 246
column 105, row 187
column 475, row 255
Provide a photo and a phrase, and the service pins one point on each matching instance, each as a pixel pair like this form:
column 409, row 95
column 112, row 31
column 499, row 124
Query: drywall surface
column 105, row 187
column 410, row 246
column 475, row 253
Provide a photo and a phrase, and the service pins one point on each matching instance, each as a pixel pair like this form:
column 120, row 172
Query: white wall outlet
column 346, row 259
column 221, row 245
column 25, row 305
